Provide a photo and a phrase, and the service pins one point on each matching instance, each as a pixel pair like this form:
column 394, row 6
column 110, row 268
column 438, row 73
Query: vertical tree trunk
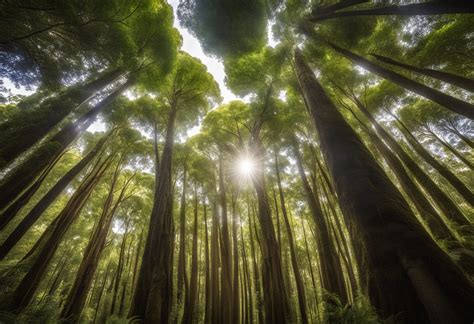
column 120, row 267
column 447, row 77
column 154, row 287
column 294, row 262
column 215, row 264
column 276, row 298
column 256, row 270
column 235, row 272
column 331, row 269
column 189, row 309
column 181, row 292
column 30, row 282
column 207, row 280
column 396, row 248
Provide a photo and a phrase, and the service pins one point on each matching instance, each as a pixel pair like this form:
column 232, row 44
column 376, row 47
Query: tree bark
column 457, row 80
column 154, row 287
column 181, row 291
column 394, row 243
column 34, row 214
column 455, row 105
column 20, row 177
column 294, row 261
column 25, row 291
column 427, row 8
column 23, row 131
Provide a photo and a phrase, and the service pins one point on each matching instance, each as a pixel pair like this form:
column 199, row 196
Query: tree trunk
column 459, row 81
column 443, row 201
column 23, row 131
column 30, row 282
column 455, row 105
column 226, row 254
column 20, row 177
column 207, row 284
column 120, row 267
column 434, row 222
column 181, row 292
column 331, row 269
column 276, row 299
column 77, row 296
column 189, row 309
column 47, row 200
column 256, row 270
column 336, row 7
column 235, row 272
column 395, row 246
column 153, row 292
column 21, row 201
column 427, row 8
column 215, row 264
column 294, row 261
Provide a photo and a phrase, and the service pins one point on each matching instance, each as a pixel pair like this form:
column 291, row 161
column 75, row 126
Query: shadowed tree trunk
column 74, row 304
column 47, row 200
column 181, row 291
column 120, row 267
column 424, row 282
column 331, row 269
column 20, row 177
column 207, row 281
column 30, row 282
column 215, row 264
column 294, row 261
column 22, row 200
column 416, row 9
column 153, row 292
column 455, row 105
column 256, row 270
column 453, row 79
column 37, row 123
column 189, row 308
column 235, row 261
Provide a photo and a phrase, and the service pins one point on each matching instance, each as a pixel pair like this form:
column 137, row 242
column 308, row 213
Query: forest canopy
column 201, row 161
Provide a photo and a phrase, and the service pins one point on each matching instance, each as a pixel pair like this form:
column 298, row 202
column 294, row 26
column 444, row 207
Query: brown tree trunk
column 445, row 204
column 30, row 282
column 189, row 308
column 294, row 261
column 154, row 287
column 256, row 270
column 181, row 291
column 396, row 249
column 15, row 140
column 120, row 267
column 459, row 81
column 276, row 298
column 331, row 269
column 416, row 9
column 455, row 105
column 235, row 272
column 20, row 177
column 34, row 214
column 207, row 281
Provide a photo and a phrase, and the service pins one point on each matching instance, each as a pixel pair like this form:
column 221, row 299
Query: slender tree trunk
column 120, row 267
column 455, row 182
column 331, row 269
column 435, row 223
column 235, row 272
column 77, row 296
column 20, row 177
column 256, row 270
column 402, row 257
column 189, row 309
column 181, row 292
column 336, row 7
column 15, row 140
column 226, row 254
column 30, row 282
column 445, row 204
column 207, row 281
column 455, row 152
column 455, row 105
column 248, row 282
column 215, row 265
column 34, row 214
column 416, row 9
column 459, row 81
column 294, row 261
column 23, row 199
column 310, row 263
column 154, row 287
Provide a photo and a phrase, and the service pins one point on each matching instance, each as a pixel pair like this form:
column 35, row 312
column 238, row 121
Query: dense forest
column 328, row 178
